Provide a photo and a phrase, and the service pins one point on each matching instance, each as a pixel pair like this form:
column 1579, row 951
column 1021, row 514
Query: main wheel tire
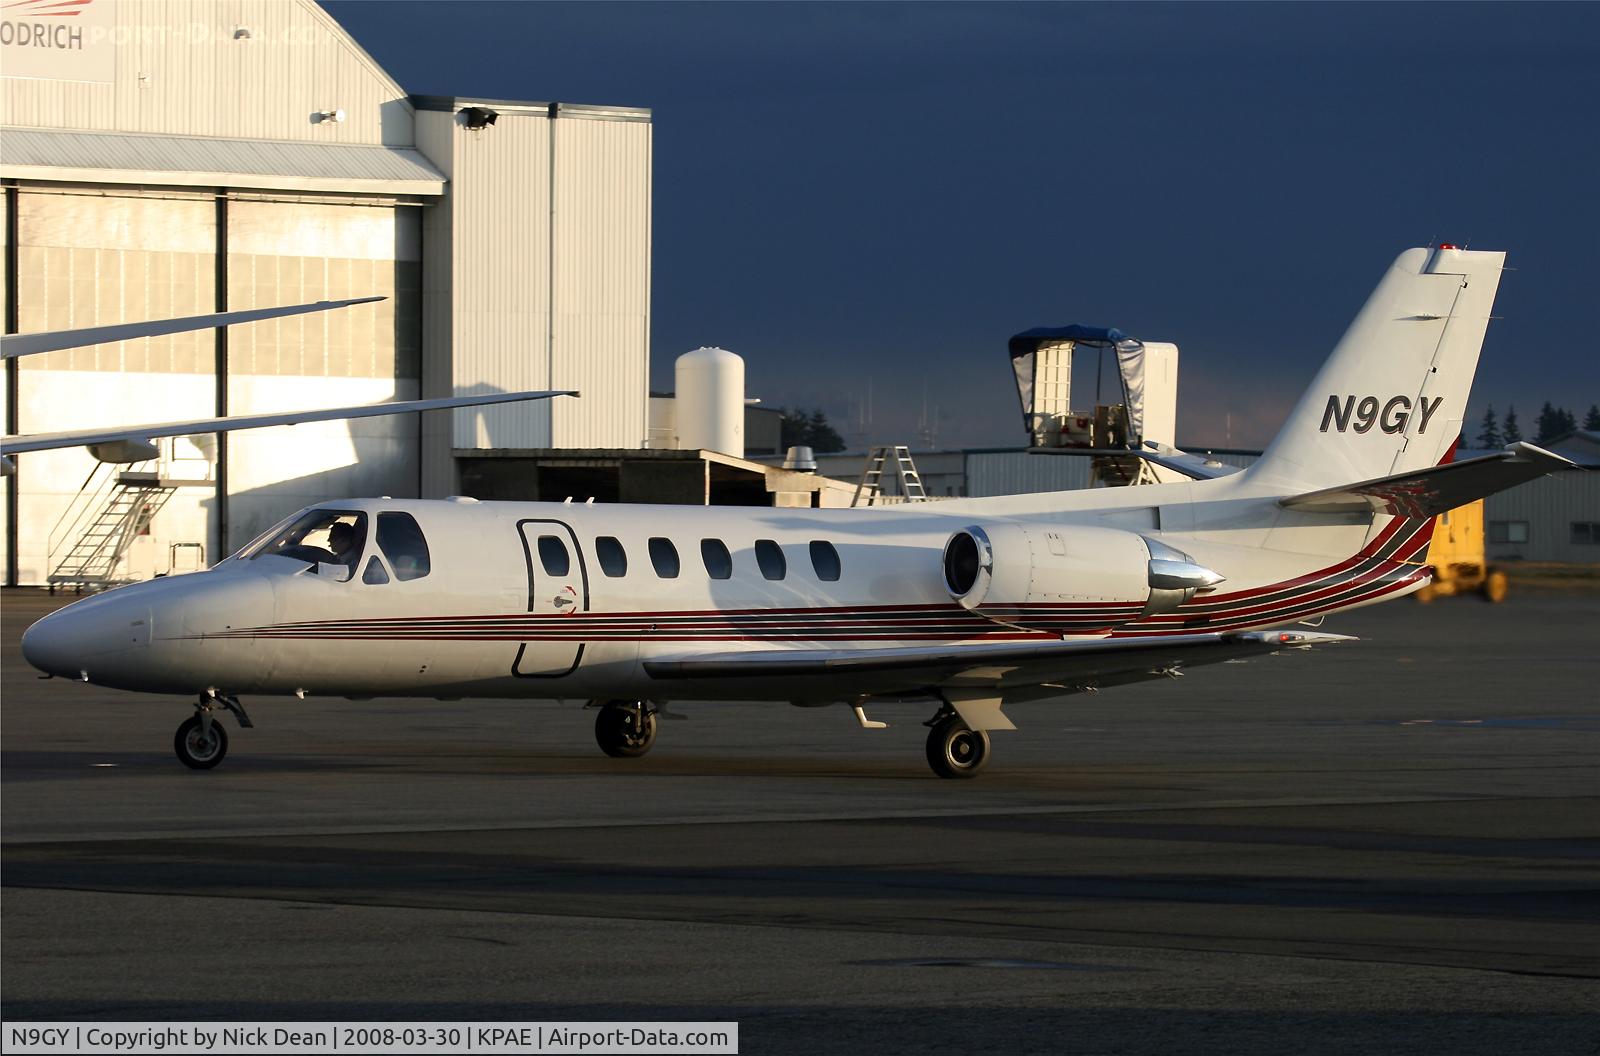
column 954, row 751
column 619, row 736
column 195, row 749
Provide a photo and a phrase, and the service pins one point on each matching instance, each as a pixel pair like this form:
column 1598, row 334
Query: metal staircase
column 113, row 509
column 904, row 471
column 93, row 557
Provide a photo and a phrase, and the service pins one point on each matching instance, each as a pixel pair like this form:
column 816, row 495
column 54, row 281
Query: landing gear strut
column 625, row 729
column 201, row 742
column 954, row 750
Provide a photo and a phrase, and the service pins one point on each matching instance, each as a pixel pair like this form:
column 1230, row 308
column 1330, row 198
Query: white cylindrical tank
column 710, row 401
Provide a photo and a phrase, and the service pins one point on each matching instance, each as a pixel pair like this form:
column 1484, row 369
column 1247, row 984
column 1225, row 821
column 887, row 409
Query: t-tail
column 1392, row 396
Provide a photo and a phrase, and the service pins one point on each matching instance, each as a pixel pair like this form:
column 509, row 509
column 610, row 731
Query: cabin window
column 719, row 563
column 612, row 557
column 402, row 543
column 553, row 556
column 319, row 537
column 664, row 556
column 769, row 558
column 374, row 573
column 824, row 560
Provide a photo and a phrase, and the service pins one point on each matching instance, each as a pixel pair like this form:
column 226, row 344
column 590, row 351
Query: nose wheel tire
column 954, row 751
column 625, row 729
column 198, row 749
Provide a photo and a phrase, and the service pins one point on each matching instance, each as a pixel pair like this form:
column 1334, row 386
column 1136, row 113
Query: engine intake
column 1072, row 579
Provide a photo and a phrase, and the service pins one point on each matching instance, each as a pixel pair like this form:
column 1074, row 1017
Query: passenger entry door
column 558, row 592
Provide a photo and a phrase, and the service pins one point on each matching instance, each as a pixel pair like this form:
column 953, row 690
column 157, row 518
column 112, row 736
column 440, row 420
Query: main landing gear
column 954, row 750
column 625, row 729
column 201, row 742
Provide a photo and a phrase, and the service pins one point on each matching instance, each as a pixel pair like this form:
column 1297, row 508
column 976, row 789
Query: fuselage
column 568, row 600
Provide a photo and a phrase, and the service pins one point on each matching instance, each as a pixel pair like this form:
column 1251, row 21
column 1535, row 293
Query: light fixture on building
column 477, row 117
column 336, row 116
column 241, row 32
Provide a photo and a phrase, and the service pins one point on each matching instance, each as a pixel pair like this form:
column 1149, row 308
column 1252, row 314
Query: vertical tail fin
column 1392, row 396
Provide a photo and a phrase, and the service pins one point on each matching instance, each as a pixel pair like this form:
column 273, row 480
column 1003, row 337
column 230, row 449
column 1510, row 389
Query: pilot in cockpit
column 342, row 542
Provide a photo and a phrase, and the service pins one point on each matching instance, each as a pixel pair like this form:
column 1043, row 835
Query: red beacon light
column 1448, row 245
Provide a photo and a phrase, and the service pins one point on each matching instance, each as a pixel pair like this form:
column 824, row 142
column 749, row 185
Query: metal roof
column 199, row 161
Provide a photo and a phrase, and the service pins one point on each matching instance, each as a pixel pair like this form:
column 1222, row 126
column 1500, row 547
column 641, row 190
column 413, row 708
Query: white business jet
column 969, row 604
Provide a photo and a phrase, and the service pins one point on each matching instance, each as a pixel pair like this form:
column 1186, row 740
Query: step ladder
column 93, row 558
column 898, row 462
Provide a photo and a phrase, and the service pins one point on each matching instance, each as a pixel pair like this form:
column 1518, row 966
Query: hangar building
column 175, row 157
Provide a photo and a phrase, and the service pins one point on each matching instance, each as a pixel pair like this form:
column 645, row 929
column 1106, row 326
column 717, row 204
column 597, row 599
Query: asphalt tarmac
column 1389, row 845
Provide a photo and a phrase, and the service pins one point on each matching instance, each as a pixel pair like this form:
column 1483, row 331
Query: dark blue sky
column 891, row 190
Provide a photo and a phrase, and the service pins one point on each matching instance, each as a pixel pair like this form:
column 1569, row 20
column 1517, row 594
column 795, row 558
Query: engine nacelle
column 1073, row 579
column 125, row 451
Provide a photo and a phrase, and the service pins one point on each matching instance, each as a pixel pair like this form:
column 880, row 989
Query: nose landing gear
column 625, row 729
column 201, row 742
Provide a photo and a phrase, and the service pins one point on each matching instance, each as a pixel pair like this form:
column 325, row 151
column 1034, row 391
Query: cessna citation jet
column 968, row 604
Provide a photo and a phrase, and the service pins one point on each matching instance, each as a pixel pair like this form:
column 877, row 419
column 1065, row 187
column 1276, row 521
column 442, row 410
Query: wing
column 1016, row 670
column 1195, row 467
column 13, row 345
column 11, row 445
column 1430, row 492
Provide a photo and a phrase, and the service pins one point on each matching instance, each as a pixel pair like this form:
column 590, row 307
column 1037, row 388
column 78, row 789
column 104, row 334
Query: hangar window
column 1508, row 531
column 1586, row 532
column 824, row 560
column 769, row 556
column 612, row 557
column 719, row 563
column 553, row 556
column 402, row 542
column 664, row 556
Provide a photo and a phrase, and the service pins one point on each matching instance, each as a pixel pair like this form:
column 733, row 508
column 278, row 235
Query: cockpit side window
column 318, row 537
column 402, row 542
column 374, row 574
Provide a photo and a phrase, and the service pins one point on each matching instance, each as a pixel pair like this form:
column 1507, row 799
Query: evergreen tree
column 1511, row 431
column 1592, row 419
column 1548, row 424
column 1489, row 436
column 825, row 439
column 802, row 428
column 1569, row 424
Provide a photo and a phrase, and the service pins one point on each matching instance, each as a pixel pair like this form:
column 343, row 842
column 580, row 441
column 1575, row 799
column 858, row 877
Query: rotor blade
column 50, row 441
column 13, row 345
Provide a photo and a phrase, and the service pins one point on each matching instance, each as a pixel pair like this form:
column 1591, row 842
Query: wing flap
column 1430, row 492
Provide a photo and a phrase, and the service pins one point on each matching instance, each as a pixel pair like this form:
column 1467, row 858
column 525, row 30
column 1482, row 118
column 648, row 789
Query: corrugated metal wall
column 539, row 211
column 500, row 249
column 601, row 343
column 178, row 67
column 1549, row 507
column 1019, row 473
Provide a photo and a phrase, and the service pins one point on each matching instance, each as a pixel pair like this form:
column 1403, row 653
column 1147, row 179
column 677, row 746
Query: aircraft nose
column 70, row 641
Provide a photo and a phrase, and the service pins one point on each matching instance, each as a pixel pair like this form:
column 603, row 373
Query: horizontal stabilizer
column 938, row 662
column 10, row 445
column 13, row 345
column 1430, row 492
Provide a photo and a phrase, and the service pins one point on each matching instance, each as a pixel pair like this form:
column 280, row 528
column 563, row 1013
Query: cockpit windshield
column 318, row 537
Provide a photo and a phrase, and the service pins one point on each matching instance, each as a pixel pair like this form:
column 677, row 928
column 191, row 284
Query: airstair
column 108, row 514
column 895, row 462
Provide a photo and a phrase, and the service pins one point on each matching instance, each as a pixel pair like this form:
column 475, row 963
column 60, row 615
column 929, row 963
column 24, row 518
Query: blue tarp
column 1095, row 336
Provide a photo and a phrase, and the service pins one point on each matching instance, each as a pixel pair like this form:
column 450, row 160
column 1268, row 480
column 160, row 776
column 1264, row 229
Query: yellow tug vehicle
column 1457, row 556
